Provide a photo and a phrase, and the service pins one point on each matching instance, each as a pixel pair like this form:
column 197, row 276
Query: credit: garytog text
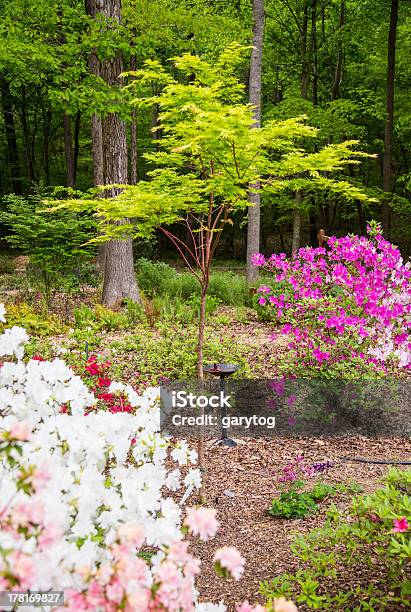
column 210, row 420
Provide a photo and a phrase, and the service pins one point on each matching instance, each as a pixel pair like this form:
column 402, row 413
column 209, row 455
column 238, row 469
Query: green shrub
column 363, row 544
column 231, row 289
column 100, row 318
column 135, row 312
column 54, row 242
column 158, row 278
column 25, row 316
column 7, row 265
column 154, row 277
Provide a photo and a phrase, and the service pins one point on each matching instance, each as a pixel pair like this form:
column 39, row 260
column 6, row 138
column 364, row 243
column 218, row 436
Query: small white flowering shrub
column 83, row 494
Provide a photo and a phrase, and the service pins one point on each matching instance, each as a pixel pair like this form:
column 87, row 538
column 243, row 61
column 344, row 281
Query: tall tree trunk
column 305, row 78
column 297, row 222
column 133, row 136
column 305, row 72
column 68, row 150
column 26, row 135
column 98, row 175
column 335, row 89
column 96, row 138
column 253, row 228
column 389, row 122
column 314, row 58
column 46, row 143
column 11, row 137
column 76, row 144
column 119, row 276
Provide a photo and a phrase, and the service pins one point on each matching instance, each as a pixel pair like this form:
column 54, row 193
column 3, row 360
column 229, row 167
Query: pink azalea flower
column 21, row 430
column 258, row 259
column 131, row 534
column 283, row 605
column 246, row 607
column 202, row 522
column 400, row 525
column 230, row 559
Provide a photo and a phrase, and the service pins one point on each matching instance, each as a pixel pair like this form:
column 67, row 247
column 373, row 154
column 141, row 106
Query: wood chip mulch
column 242, row 481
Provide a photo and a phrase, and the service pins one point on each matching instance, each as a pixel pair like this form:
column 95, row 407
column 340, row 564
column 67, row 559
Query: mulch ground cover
column 242, row 481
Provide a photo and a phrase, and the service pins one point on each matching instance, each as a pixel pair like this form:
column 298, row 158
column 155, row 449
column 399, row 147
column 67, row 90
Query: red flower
column 107, row 397
column 104, row 382
column 121, row 408
column 400, row 525
column 93, row 369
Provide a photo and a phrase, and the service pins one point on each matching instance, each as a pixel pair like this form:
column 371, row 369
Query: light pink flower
column 131, row 534
column 23, row 568
column 231, row 559
column 283, row 605
column 20, row 431
column 115, row 592
column 50, row 535
column 246, row 607
column 202, row 522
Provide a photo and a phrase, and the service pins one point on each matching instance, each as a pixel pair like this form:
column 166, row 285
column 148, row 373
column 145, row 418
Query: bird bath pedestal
column 223, row 371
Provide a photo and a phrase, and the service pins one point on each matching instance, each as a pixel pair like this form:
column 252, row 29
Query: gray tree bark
column 335, row 89
column 297, row 222
column 253, row 228
column 133, row 136
column 11, row 137
column 119, row 276
column 389, row 122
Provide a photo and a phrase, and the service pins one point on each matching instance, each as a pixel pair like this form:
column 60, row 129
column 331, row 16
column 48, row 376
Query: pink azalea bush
column 342, row 308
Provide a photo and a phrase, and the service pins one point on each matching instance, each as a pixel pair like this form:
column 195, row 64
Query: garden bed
column 241, row 483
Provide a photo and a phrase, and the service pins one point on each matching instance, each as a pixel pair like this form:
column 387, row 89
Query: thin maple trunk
column 389, row 122
column 200, row 371
column 201, row 328
column 11, row 137
column 253, row 227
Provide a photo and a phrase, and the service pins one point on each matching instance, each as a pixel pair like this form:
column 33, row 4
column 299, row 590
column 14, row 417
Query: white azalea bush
column 83, row 494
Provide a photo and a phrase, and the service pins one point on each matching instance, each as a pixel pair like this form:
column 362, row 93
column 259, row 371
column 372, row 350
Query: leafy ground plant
column 296, row 501
column 295, row 504
column 371, row 542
